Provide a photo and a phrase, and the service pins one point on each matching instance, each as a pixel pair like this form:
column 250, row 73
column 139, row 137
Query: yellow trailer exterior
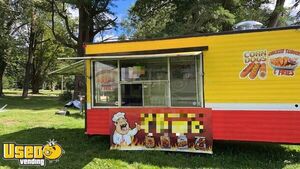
column 234, row 98
column 223, row 62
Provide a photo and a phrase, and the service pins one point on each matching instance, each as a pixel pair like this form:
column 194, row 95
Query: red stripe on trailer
column 266, row 126
column 241, row 125
column 98, row 122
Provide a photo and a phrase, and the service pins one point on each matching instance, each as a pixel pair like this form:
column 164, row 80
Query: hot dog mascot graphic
column 123, row 134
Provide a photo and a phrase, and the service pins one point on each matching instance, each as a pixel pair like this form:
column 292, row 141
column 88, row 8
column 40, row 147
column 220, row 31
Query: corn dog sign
column 283, row 62
column 255, row 65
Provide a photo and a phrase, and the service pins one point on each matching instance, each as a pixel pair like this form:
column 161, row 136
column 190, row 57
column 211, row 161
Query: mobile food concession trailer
column 239, row 85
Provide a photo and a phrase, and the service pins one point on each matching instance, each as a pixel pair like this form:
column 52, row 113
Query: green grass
column 18, row 92
column 33, row 121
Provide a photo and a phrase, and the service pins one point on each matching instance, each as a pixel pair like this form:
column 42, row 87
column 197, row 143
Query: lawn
column 33, row 121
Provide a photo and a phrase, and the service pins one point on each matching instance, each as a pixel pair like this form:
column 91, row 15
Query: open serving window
column 161, row 81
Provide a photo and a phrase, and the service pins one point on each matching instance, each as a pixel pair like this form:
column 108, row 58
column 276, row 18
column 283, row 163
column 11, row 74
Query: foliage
column 65, row 96
column 95, row 16
column 7, row 27
column 32, row 44
column 69, row 83
column 7, row 83
column 34, row 33
column 148, row 19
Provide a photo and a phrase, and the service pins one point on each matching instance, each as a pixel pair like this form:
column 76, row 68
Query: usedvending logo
column 32, row 154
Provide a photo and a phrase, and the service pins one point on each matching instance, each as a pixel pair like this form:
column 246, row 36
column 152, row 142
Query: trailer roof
column 202, row 34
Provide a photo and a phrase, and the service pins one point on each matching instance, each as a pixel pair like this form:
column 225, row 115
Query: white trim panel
column 254, row 106
column 134, row 56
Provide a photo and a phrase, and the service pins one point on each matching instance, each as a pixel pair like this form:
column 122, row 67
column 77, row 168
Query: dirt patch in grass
column 9, row 122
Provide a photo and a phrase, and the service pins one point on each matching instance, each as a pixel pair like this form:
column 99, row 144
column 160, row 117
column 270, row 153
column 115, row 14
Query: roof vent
column 246, row 25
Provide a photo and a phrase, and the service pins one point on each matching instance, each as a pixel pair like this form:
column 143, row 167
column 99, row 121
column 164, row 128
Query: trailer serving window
column 105, row 83
column 162, row 82
column 144, row 82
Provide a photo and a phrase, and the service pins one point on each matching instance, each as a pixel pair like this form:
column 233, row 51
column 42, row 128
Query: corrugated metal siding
column 98, row 121
column 224, row 61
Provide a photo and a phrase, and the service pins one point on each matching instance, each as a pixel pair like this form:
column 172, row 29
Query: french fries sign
column 282, row 62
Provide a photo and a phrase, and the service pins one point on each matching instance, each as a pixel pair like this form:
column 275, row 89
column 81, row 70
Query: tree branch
column 103, row 9
column 43, row 41
column 101, row 28
column 17, row 28
column 66, row 19
column 297, row 2
column 50, row 61
column 58, row 38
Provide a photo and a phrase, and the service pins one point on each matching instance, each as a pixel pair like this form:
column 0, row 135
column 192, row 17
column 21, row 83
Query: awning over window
column 76, row 68
column 136, row 56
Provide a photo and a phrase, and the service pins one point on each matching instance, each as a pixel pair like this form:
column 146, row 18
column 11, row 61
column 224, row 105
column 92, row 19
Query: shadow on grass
column 81, row 150
column 76, row 115
column 31, row 103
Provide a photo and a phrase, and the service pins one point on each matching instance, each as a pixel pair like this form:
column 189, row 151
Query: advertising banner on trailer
column 165, row 130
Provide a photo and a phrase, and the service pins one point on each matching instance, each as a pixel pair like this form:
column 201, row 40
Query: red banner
column 166, row 129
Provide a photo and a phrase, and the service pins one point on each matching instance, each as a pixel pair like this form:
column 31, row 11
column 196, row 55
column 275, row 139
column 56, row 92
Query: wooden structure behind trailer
column 249, row 78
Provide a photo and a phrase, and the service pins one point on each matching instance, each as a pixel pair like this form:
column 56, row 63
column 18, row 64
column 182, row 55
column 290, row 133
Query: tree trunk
column 84, row 29
column 273, row 20
column 84, row 36
column 35, row 89
column 29, row 62
column 2, row 69
column 36, row 84
column 53, row 84
column 27, row 73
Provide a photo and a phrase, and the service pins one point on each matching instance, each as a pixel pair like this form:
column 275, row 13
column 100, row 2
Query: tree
column 33, row 18
column 279, row 9
column 33, row 32
column 148, row 19
column 95, row 16
column 7, row 28
column 45, row 60
column 16, row 67
column 38, row 41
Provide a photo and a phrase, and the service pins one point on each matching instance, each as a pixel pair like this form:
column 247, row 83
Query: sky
column 122, row 7
column 121, row 11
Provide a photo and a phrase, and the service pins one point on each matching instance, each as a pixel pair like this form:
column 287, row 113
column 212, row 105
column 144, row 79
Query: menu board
column 184, row 130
